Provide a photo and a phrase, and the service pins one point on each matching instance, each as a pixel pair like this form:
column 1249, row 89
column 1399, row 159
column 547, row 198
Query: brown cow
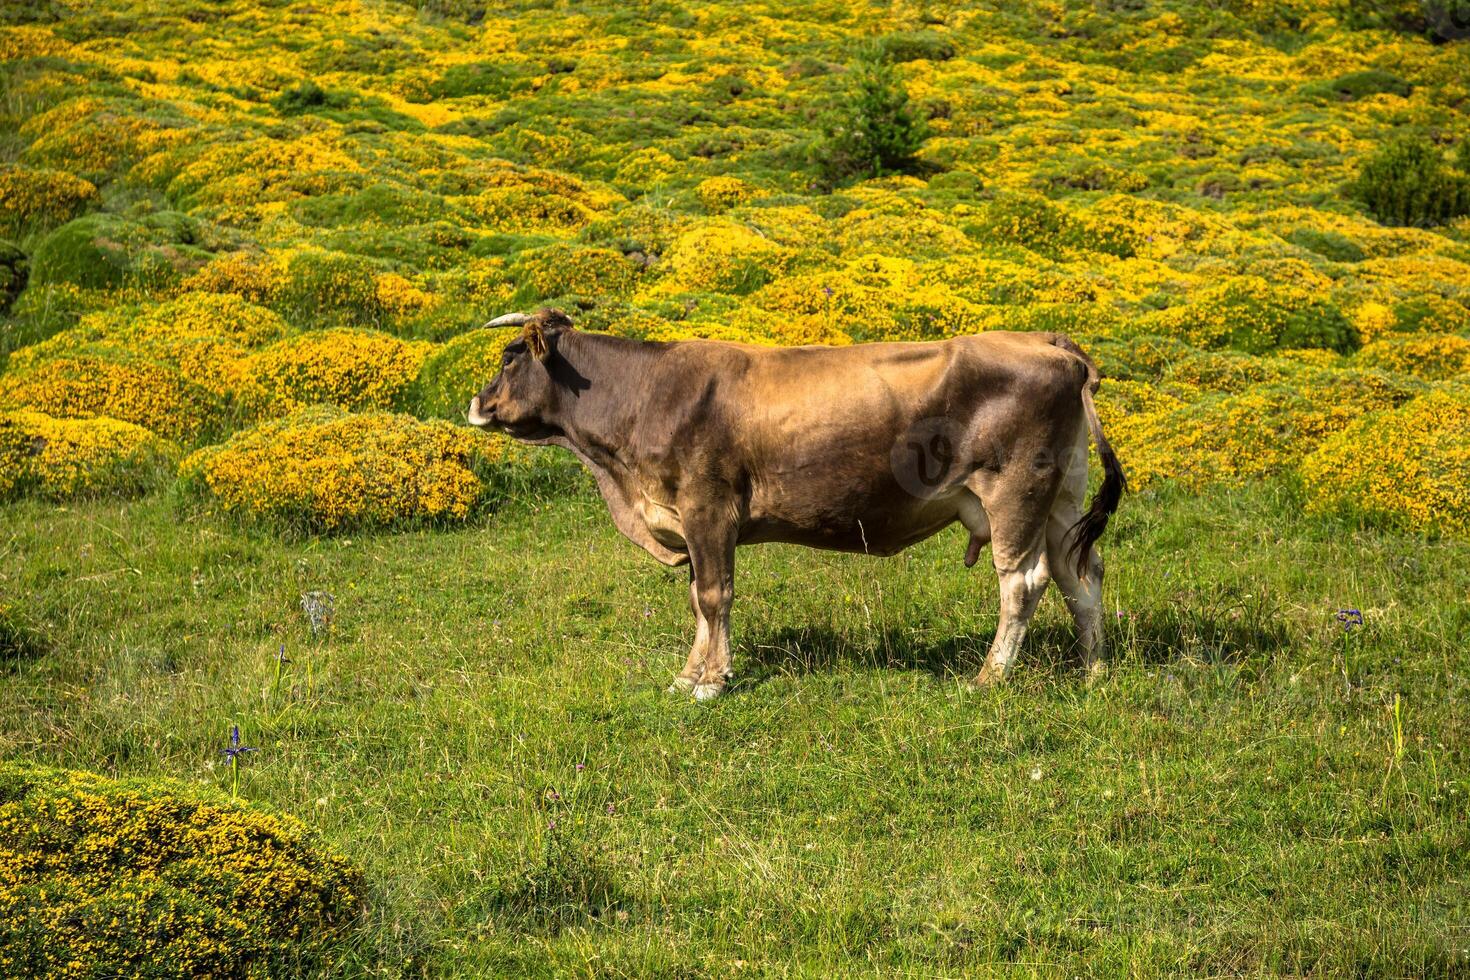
column 699, row 446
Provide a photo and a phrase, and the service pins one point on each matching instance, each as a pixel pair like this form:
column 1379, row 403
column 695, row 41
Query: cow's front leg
column 693, row 667
column 712, row 562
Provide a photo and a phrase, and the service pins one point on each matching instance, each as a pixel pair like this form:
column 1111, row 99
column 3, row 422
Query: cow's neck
column 617, row 373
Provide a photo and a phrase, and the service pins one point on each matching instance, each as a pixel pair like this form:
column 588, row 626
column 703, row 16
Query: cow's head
column 522, row 399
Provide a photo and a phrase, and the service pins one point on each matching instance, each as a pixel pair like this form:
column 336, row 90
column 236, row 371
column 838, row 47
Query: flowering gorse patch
column 1406, row 468
column 324, row 469
column 63, row 458
column 354, row 369
column 149, row 878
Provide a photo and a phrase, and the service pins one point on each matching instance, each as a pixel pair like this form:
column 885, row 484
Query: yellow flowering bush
column 419, row 174
column 719, row 194
column 93, row 136
column 399, row 296
column 1249, row 314
column 725, row 257
column 250, row 275
column 30, row 196
column 133, row 389
column 560, row 269
column 135, row 878
column 313, row 284
column 62, row 458
column 1230, row 437
column 1408, row 467
column 323, row 469
column 206, row 337
column 1426, row 355
column 356, row 369
column 524, row 209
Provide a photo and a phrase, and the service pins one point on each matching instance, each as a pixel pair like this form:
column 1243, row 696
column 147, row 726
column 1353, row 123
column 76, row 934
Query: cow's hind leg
column 1023, row 578
column 1081, row 589
column 1018, row 505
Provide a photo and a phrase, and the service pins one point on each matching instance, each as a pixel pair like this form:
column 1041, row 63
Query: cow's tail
column 1090, row 526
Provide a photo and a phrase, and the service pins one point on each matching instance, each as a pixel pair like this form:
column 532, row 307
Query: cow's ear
column 535, row 339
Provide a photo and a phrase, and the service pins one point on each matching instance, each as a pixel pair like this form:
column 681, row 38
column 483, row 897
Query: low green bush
column 107, row 251
column 1408, row 183
column 870, row 128
column 916, row 46
column 1360, row 84
column 318, row 286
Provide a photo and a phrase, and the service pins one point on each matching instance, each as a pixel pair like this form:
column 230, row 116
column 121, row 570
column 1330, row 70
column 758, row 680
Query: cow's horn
column 510, row 320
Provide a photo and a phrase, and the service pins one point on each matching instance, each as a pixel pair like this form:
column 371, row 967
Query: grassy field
column 245, row 246
column 1254, row 787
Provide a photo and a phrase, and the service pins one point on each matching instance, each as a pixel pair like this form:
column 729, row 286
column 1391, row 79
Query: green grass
column 1232, row 798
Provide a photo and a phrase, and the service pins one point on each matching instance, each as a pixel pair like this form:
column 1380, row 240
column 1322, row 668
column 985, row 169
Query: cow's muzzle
column 476, row 417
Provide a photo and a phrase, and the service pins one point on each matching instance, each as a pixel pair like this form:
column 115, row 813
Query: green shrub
column 1360, row 84
column 1449, row 20
column 306, row 96
column 1328, row 244
column 14, row 271
column 106, row 251
column 1247, row 313
column 871, row 129
column 1045, row 228
column 153, row 879
column 562, row 269
column 1407, row 183
column 479, row 78
column 916, row 46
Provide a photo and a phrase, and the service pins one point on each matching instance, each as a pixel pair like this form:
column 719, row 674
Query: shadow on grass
column 1224, row 631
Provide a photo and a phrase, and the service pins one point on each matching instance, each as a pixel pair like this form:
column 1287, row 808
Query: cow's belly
column 877, row 528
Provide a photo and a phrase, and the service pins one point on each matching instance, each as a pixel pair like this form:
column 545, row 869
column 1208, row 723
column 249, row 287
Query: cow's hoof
column 707, row 692
column 681, row 685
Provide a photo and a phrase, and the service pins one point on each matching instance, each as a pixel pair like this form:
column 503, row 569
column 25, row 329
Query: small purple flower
column 551, row 825
column 555, row 795
column 1350, row 618
column 610, row 809
column 235, row 749
column 581, row 766
column 828, row 291
column 233, row 752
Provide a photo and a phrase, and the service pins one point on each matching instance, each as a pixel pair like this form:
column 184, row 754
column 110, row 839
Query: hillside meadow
column 302, row 676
